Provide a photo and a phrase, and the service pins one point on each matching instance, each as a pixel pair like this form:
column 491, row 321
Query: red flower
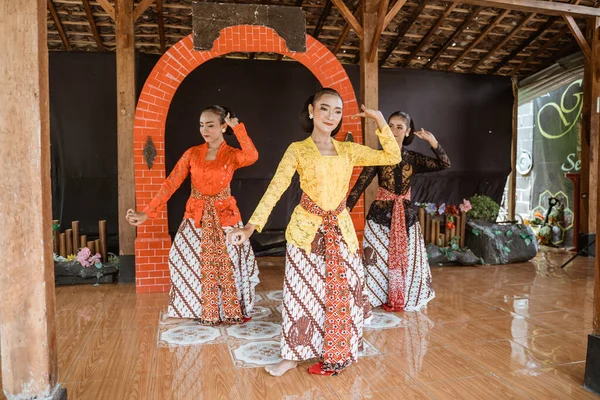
column 451, row 210
column 450, row 225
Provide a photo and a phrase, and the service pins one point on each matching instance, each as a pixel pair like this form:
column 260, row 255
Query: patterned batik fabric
column 418, row 290
column 307, row 329
column 397, row 254
column 187, row 286
column 219, row 300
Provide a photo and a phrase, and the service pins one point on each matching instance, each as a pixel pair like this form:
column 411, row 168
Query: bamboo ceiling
column 435, row 34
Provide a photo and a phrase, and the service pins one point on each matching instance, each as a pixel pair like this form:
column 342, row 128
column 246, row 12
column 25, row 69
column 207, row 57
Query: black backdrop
column 471, row 115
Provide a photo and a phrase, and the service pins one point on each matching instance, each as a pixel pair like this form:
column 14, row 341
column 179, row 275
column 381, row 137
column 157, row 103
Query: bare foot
column 281, row 368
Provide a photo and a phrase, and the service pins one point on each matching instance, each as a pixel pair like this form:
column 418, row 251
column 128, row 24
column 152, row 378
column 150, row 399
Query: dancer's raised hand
column 373, row 114
column 428, row 137
column 231, row 122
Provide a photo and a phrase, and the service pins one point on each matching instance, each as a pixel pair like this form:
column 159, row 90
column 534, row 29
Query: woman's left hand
column 231, row 122
column 428, row 137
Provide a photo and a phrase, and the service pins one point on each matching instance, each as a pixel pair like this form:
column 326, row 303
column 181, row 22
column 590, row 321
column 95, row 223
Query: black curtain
column 471, row 115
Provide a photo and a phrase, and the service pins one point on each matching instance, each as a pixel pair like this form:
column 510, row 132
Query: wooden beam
column 161, row 25
column 343, row 9
column 413, row 17
column 428, row 35
column 346, row 30
column 369, row 83
column 536, row 6
column 383, row 6
column 389, row 17
column 341, row 39
column 454, row 36
column 28, row 306
column 524, row 45
column 108, row 8
column 93, row 28
column 59, row 27
column 512, row 179
column 595, row 158
column 322, row 18
column 480, row 37
column 561, row 33
column 579, row 37
column 125, row 38
column 593, row 133
column 586, row 223
column 141, row 8
column 501, row 44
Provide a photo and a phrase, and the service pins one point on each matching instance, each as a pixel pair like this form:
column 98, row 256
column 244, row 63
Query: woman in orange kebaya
column 212, row 281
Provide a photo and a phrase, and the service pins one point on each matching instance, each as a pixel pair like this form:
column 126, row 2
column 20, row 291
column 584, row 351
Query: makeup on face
column 327, row 112
column 210, row 127
column 399, row 126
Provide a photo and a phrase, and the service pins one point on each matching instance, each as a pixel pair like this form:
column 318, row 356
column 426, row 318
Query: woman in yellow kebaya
column 324, row 298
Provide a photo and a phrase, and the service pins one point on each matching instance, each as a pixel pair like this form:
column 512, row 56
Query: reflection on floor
column 506, row 332
column 256, row 343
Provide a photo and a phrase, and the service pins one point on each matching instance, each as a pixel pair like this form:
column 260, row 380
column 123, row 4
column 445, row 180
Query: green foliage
column 484, row 208
column 113, row 259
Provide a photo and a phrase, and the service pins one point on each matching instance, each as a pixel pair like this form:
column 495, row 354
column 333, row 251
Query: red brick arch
column 153, row 241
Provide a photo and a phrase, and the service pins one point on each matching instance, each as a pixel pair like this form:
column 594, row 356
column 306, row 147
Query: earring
column 223, row 130
column 310, row 116
column 407, row 135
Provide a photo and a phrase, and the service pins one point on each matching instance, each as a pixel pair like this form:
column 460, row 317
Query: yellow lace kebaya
column 325, row 180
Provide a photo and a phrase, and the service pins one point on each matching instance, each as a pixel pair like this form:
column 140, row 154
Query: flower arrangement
column 465, row 206
column 445, row 209
column 452, row 210
column 86, row 258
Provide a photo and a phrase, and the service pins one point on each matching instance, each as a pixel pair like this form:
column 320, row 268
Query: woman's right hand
column 373, row 114
column 238, row 236
column 136, row 218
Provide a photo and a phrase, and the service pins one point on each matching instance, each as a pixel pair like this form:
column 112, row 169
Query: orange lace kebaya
column 209, row 178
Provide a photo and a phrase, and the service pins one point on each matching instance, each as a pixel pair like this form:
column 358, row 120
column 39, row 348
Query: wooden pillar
column 512, row 178
column 594, row 155
column 592, row 363
column 576, row 179
column 369, row 83
column 27, row 309
column 125, row 113
column 587, row 217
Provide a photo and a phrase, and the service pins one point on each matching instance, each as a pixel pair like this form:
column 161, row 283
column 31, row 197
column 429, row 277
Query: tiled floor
column 509, row 332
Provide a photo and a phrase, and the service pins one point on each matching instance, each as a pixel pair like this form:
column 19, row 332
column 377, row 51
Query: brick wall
column 153, row 242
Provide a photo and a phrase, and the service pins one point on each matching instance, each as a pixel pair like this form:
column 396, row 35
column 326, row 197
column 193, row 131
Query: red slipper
column 392, row 309
column 246, row 319
column 317, row 369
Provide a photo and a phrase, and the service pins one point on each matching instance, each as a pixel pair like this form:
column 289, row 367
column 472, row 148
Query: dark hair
column 411, row 124
column 222, row 112
column 306, row 123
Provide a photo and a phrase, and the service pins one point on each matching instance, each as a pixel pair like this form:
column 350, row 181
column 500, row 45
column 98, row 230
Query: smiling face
column 326, row 112
column 211, row 127
column 399, row 127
